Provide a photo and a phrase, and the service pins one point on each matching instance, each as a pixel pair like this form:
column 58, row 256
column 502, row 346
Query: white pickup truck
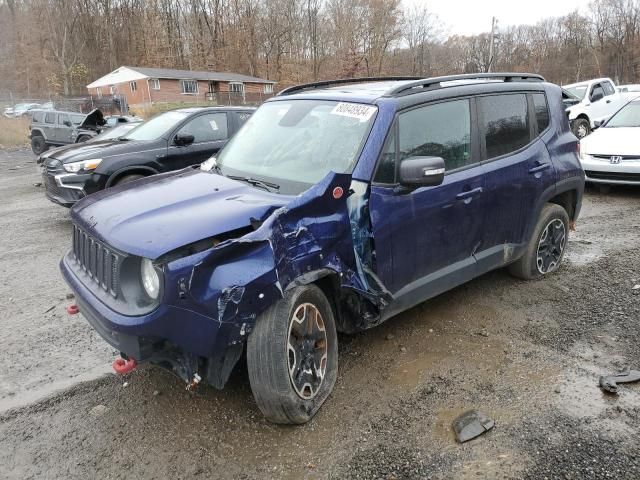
column 599, row 99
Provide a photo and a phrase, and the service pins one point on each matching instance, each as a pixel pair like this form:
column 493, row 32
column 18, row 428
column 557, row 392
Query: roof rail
column 436, row 82
column 344, row 81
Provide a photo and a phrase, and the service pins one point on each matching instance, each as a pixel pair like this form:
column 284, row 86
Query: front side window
column 505, row 123
column 542, row 111
column 62, row 117
column 296, row 143
column 206, row 128
column 597, row 93
column 189, row 86
column 157, row 127
column 50, row 118
column 440, row 130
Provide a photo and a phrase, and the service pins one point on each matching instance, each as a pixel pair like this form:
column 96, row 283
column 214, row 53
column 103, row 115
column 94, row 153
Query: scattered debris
column 431, row 330
column 390, row 336
column 194, row 382
column 156, row 393
column 403, row 349
column 98, row 410
column 70, row 296
column 636, row 287
column 37, row 184
column 471, row 424
column 483, row 333
column 557, row 389
column 49, row 309
column 609, row 383
column 125, row 384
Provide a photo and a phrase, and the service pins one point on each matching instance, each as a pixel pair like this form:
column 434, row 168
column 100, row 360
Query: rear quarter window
column 504, row 123
column 542, row 111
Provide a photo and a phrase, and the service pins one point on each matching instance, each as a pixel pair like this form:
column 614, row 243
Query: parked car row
column 170, row 141
column 595, row 101
column 300, row 227
column 54, row 128
column 22, row 109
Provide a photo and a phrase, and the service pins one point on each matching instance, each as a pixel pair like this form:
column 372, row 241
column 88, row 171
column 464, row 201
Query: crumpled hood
column 612, row 141
column 101, row 149
column 158, row 214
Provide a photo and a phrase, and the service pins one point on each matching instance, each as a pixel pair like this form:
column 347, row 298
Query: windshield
column 628, row 116
column 578, row 91
column 297, row 143
column 156, row 127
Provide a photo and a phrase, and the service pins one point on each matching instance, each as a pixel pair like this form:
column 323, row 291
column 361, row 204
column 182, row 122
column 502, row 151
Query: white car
column 628, row 88
column 611, row 155
column 599, row 99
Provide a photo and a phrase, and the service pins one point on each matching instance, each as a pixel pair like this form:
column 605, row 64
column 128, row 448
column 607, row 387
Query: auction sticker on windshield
column 354, row 110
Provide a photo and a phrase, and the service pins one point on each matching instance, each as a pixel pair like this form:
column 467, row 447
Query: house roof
column 128, row 74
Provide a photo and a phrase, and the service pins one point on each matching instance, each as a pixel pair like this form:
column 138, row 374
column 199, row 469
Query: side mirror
column 422, row 171
column 66, row 123
column 182, row 139
column 597, row 124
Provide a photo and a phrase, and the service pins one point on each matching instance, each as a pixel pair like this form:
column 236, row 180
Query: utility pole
column 494, row 23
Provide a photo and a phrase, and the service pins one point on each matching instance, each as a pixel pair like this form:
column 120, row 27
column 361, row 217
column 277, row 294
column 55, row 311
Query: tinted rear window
column 542, row 111
column 504, row 123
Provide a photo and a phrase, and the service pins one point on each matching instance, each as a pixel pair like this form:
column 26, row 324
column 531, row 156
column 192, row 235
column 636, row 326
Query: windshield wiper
column 255, row 182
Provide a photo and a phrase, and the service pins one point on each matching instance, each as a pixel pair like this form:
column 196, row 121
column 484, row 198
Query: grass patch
column 14, row 131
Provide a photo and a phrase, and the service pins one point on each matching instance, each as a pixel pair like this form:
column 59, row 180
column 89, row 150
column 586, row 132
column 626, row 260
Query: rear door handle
column 540, row 167
column 469, row 193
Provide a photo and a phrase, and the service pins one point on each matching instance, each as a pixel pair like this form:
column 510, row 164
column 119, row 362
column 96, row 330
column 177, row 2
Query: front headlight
column 83, row 165
column 208, row 164
column 150, row 278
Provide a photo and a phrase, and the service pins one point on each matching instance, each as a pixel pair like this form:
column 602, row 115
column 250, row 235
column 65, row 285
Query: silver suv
column 54, row 128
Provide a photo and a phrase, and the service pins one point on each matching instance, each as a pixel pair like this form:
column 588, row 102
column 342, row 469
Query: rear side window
column 542, row 111
column 50, row 118
column 504, row 123
column 608, row 88
column 242, row 117
column 61, row 118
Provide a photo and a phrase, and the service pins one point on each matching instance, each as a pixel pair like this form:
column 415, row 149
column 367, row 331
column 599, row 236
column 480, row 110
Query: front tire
column 581, row 128
column 292, row 356
column 127, row 179
column 38, row 144
column 83, row 138
column 547, row 245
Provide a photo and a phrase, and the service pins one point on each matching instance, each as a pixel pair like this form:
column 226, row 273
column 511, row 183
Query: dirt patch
column 528, row 354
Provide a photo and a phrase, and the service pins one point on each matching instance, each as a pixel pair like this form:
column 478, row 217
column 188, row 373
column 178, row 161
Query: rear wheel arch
column 567, row 200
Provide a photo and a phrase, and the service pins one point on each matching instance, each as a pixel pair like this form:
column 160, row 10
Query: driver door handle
column 469, row 193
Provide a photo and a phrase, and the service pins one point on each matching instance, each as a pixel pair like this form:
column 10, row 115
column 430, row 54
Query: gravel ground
column 528, row 354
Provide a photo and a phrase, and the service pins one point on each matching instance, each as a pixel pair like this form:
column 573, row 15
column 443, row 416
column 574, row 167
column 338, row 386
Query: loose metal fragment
column 471, row 424
column 608, row 383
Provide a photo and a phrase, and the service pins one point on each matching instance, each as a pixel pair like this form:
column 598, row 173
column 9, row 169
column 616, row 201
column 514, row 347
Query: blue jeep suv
column 338, row 205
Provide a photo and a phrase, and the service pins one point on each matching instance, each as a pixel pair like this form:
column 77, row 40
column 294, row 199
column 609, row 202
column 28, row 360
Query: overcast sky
column 464, row 17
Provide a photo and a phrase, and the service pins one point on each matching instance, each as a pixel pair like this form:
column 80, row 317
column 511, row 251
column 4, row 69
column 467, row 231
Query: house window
column 236, row 87
column 268, row 88
column 155, row 84
column 189, row 86
column 99, row 92
column 112, row 89
column 134, row 86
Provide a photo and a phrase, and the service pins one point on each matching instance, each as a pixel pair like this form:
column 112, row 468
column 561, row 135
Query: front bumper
column 601, row 170
column 63, row 189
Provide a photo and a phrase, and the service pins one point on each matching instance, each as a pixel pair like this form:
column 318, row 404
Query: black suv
column 170, row 141
column 337, row 206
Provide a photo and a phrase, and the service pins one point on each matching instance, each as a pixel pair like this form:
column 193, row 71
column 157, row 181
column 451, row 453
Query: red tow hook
column 73, row 309
column 122, row 366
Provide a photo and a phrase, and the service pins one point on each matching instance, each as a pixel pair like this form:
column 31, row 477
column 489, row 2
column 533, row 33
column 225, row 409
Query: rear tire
column 547, row 245
column 292, row 356
column 38, row 144
column 127, row 179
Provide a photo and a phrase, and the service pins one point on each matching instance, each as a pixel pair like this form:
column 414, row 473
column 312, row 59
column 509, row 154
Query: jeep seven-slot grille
column 100, row 263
